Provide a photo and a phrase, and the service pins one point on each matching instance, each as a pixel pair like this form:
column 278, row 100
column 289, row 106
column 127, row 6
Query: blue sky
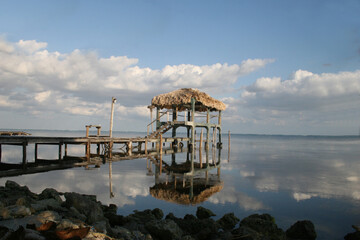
column 282, row 67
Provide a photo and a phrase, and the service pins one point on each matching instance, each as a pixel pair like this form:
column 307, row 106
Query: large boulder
column 164, row 229
column 86, row 205
column 203, row 213
column 257, row 227
column 301, row 230
column 50, row 193
column 228, row 221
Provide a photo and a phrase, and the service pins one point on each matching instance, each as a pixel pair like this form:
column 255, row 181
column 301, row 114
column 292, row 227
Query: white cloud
column 81, row 83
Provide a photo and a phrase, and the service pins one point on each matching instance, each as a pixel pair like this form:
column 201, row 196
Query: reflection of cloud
column 305, row 167
column 230, row 195
column 127, row 185
column 303, row 196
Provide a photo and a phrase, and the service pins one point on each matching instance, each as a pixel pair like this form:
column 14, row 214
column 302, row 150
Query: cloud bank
column 40, row 83
column 34, row 80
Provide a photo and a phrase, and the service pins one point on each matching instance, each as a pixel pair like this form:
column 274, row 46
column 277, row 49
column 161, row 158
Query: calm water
column 291, row 177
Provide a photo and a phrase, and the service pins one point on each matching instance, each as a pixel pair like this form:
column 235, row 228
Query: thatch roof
column 181, row 98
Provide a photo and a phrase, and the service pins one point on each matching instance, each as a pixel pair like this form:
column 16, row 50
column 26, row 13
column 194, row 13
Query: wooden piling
column 66, row 150
column 24, row 154
column 60, row 151
column 201, row 139
column 146, row 143
column 0, row 152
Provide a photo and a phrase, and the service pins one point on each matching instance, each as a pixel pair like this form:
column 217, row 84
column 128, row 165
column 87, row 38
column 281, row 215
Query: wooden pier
column 197, row 108
column 104, row 145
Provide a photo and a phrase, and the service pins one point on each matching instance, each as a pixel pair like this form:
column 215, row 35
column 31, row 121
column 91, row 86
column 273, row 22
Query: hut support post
column 207, row 129
column 219, row 129
column 192, row 109
column 146, row 143
column 157, row 118
column 192, row 148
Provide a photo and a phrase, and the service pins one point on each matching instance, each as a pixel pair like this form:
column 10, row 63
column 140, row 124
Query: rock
column 352, row 236
column 74, row 213
column 50, row 193
column 158, row 213
column 4, row 213
column 259, row 227
column 47, row 216
column 100, row 227
column 66, row 224
column 145, row 216
column 228, row 221
column 12, row 185
column 202, row 213
column 3, row 231
column 164, row 229
column 47, row 204
column 301, row 230
column 19, row 211
column 187, row 237
column 85, row 205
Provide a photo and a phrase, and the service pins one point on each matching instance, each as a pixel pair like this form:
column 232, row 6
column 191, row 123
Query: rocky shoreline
column 55, row 215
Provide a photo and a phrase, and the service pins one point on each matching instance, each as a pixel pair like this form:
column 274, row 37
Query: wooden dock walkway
column 132, row 147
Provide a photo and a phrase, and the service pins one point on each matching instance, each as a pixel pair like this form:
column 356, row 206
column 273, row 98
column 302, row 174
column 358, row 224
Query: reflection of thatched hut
column 196, row 194
column 188, row 101
column 181, row 99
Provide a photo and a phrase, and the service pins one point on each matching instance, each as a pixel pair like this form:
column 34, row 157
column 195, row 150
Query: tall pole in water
column 113, row 101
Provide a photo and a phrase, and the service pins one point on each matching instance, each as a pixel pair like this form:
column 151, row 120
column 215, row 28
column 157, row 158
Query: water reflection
column 292, row 178
column 179, row 179
column 186, row 181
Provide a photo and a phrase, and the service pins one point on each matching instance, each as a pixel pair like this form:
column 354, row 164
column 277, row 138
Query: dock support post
column 88, row 151
column 66, row 150
column 0, row 153
column 36, row 152
column 24, row 154
column 129, row 148
column 60, row 151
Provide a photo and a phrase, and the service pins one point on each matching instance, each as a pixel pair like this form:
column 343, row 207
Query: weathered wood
column 66, row 150
column 146, row 143
column 201, row 139
column 24, row 154
column 60, row 151
column 113, row 101
column 36, row 151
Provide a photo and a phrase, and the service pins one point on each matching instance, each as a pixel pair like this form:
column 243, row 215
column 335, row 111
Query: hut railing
column 156, row 119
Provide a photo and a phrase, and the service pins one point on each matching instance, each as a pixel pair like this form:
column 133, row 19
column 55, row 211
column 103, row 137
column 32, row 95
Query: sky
column 281, row 67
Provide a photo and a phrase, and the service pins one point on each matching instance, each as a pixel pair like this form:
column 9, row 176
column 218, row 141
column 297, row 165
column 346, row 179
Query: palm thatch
column 181, row 99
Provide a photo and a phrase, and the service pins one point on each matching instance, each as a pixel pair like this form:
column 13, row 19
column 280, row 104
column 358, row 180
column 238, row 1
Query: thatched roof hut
column 181, row 99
